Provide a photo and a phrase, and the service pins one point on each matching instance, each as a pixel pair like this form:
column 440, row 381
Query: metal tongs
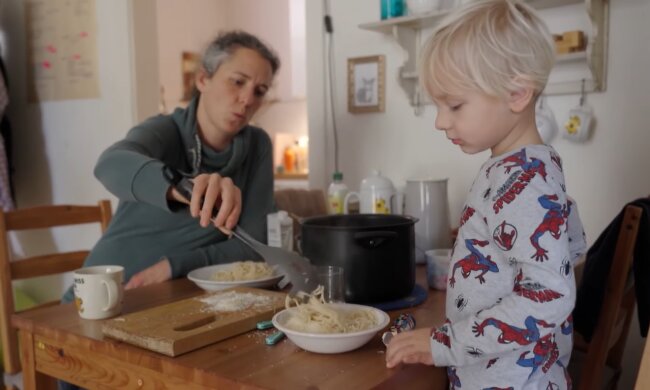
column 297, row 268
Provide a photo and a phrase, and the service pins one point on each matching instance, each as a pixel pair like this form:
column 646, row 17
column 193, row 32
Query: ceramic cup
column 578, row 125
column 438, row 267
column 98, row 291
column 331, row 278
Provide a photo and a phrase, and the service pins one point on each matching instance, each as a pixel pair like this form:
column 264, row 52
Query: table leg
column 32, row 379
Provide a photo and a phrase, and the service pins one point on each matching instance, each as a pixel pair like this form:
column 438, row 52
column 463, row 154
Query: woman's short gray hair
column 225, row 44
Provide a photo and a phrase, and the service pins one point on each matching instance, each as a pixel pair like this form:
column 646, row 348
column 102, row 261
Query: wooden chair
column 55, row 263
column 604, row 354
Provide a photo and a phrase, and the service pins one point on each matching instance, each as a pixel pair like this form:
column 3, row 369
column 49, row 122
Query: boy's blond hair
column 491, row 46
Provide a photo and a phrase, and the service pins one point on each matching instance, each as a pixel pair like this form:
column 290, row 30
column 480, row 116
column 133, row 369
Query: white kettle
column 377, row 195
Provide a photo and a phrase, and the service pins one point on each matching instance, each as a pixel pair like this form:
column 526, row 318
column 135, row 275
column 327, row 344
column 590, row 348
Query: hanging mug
column 579, row 123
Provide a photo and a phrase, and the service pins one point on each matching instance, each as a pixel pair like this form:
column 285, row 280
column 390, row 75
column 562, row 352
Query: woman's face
column 230, row 98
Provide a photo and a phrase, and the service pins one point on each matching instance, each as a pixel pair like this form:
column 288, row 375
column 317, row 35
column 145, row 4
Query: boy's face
column 477, row 122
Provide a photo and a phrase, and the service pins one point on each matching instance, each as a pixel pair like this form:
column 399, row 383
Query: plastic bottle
column 336, row 193
column 289, row 159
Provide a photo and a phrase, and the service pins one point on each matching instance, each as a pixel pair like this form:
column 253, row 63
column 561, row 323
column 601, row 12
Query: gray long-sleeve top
column 146, row 227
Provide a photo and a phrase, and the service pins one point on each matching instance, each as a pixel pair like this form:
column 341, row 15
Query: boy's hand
column 410, row 347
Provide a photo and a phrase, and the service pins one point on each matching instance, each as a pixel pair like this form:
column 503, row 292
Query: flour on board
column 235, row 301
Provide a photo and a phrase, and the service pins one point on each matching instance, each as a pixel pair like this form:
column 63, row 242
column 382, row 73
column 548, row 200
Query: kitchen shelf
column 407, row 30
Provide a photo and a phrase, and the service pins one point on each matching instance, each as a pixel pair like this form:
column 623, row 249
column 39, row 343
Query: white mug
column 98, row 291
column 578, row 125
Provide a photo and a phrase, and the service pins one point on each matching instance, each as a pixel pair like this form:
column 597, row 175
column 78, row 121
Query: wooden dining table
column 57, row 343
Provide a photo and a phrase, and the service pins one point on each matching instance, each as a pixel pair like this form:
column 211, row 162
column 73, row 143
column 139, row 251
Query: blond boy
column 511, row 285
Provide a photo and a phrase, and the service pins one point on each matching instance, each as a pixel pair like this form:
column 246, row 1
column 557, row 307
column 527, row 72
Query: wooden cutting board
column 186, row 325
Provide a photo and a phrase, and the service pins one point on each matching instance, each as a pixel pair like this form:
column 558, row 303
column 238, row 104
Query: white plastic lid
column 376, row 181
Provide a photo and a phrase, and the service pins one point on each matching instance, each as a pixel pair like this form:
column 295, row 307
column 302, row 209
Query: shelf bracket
column 410, row 39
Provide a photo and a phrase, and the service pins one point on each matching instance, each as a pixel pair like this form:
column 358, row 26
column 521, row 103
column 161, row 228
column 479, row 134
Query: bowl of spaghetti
column 239, row 273
column 321, row 327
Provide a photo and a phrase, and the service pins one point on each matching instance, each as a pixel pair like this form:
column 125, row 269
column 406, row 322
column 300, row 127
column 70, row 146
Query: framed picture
column 189, row 65
column 366, row 84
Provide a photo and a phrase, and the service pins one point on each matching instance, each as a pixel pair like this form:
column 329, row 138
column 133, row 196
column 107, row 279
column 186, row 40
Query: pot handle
column 373, row 239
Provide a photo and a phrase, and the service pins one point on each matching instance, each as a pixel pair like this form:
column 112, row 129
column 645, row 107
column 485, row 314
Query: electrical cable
column 329, row 30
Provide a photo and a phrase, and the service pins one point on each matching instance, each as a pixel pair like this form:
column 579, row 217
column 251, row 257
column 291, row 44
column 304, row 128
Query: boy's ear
column 521, row 98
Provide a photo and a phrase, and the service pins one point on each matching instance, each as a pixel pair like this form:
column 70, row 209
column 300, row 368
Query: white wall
column 602, row 174
column 56, row 143
column 184, row 28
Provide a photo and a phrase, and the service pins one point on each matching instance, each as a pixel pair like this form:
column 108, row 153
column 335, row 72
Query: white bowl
column 331, row 342
column 203, row 277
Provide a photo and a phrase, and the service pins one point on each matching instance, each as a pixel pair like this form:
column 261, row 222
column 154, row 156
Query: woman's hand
column 410, row 347
column 210, row 191
column 219, row 192
column 157, row 273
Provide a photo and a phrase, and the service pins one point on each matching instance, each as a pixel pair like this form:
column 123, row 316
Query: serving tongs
column 297, row 268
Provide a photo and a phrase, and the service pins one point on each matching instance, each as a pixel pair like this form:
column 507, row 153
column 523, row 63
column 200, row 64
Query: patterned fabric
column 511, row 284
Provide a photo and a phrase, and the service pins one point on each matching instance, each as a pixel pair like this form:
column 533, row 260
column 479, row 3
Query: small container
column 438, row 267
column 280, row 230
column 391, row 8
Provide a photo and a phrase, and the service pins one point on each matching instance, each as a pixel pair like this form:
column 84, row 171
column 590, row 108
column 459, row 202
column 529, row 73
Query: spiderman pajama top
column 511, row 285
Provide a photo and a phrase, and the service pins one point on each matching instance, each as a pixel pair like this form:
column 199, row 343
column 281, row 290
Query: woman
column 152, row 234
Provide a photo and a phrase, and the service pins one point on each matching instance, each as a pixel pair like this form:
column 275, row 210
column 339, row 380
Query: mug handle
column 397, row 203
column 113, row 294
column 347, row 198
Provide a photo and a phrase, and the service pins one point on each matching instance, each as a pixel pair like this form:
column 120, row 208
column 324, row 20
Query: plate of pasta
column 321, row 327
column 239, row 273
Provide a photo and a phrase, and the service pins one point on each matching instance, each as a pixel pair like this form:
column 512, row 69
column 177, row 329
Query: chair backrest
column 610, row 334
column 300, row 202
column 55, row 263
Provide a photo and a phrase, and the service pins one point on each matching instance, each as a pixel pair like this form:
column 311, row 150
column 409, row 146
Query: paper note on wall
column 61, row 49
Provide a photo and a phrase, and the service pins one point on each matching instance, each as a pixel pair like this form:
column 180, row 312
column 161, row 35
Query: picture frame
column 190, row 62
column 366, row 91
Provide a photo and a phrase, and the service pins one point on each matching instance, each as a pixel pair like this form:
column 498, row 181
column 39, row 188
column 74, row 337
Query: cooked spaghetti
column 317, row 316
column 244, row 270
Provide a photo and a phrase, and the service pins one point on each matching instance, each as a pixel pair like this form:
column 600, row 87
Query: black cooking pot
column 376, row 251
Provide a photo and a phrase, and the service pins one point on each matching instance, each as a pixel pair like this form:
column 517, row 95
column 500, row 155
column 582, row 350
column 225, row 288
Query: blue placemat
column 416, row 297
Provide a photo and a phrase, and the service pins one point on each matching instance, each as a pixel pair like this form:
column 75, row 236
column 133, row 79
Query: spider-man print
column 454, row 380
column 475, row 261
column 556, row 160
column 498, row 388
column 466, row 215
column 505, row 235
column 544, row 354
column 519, row 180
column 512, row 334
column 567, row 326
column 508, row 297
column 554, row 218
column 519, row 159
column 441, row 336
column 534, row 291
